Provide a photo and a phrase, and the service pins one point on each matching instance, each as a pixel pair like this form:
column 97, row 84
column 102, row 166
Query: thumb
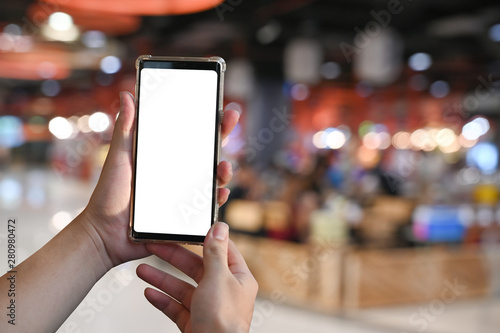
column 215, row 249
column 123, row 132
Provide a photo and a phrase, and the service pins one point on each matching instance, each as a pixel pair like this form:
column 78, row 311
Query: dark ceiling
column 454, row 32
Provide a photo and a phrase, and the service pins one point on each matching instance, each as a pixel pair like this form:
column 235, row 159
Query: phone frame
column 211, row 63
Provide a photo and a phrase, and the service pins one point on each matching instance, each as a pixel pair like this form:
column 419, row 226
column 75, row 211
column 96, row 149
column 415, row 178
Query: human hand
column 224, row 299
column 106, row 217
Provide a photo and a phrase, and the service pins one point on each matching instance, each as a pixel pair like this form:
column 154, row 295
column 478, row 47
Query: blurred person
column 53, row 281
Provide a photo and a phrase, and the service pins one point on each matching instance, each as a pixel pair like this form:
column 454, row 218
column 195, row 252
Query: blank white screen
column 175, row 151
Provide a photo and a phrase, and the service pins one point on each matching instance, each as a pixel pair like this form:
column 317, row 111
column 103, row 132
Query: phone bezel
column 196, row 63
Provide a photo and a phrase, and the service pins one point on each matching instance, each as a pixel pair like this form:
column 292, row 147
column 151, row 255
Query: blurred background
column 365, row 195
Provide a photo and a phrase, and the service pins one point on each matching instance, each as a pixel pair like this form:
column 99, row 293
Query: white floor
column 117, row 304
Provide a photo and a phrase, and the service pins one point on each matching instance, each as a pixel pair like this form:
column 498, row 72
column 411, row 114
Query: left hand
column 106, row 217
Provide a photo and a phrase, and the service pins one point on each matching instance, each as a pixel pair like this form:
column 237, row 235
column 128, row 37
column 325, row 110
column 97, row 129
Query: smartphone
column 176, row 148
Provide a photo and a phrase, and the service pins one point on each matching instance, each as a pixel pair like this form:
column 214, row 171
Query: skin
column 224, row 298
column 53, row 281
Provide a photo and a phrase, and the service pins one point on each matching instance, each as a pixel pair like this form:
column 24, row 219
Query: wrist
column 95, row 242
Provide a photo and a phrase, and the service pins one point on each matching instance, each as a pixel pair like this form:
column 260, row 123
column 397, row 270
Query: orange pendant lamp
column 135, row 7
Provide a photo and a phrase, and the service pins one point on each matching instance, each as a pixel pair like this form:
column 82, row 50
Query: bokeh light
column 439, row 89
column 300, row 92
column 110, row 64
column 420, row 61
column 11, row 131
column 99, row 122
column 61, row 128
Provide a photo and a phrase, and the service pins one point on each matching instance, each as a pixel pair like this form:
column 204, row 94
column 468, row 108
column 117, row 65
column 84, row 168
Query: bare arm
column 53, row 281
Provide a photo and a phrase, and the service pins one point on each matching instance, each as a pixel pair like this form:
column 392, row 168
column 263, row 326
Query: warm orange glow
column 134, row 7
column 401, row 140
column 368, row 158
column 110, row 24
column 30, row 66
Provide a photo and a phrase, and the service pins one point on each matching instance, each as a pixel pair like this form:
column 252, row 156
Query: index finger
column 236, row 262
column 181, row 258
column 229, row 120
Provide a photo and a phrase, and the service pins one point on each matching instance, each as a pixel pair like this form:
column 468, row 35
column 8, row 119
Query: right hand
column 224, row 299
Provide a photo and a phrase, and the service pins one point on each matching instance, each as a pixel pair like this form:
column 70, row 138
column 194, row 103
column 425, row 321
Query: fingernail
column 220, row 230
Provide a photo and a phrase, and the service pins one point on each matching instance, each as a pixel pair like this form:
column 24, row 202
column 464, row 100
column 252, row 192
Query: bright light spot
column 384, row 139
column 483, row 123
column 10, row 192
column 110, row 64
column 495, row 33
column 94, row 39
column 472, row 130
column 465, row 142
column 60, row 21
column 50, row 88
column 445, row 137
column 83, row 124
column 234, row 106
column 420, row 61
column 61, row 128
column 371, row 140
column 335, row 139
column 69, row 35
column 318, row 140
column 401, row 140
column 300, row 92
column 268, row 33
column 484, row 156
column 330, row 70
column 418, row 139
column 439, row 89
column 421, row 139
column 60, row 220
column 11, row 132
column 99, row 122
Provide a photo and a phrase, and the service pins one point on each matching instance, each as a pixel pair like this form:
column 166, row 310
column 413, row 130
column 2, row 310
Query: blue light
column 484, row 156
column 495, row 33
column 11, row 132
column 420, row 61
column 110, row 64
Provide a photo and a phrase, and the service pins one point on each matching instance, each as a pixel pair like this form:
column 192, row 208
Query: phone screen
column 176, row 151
